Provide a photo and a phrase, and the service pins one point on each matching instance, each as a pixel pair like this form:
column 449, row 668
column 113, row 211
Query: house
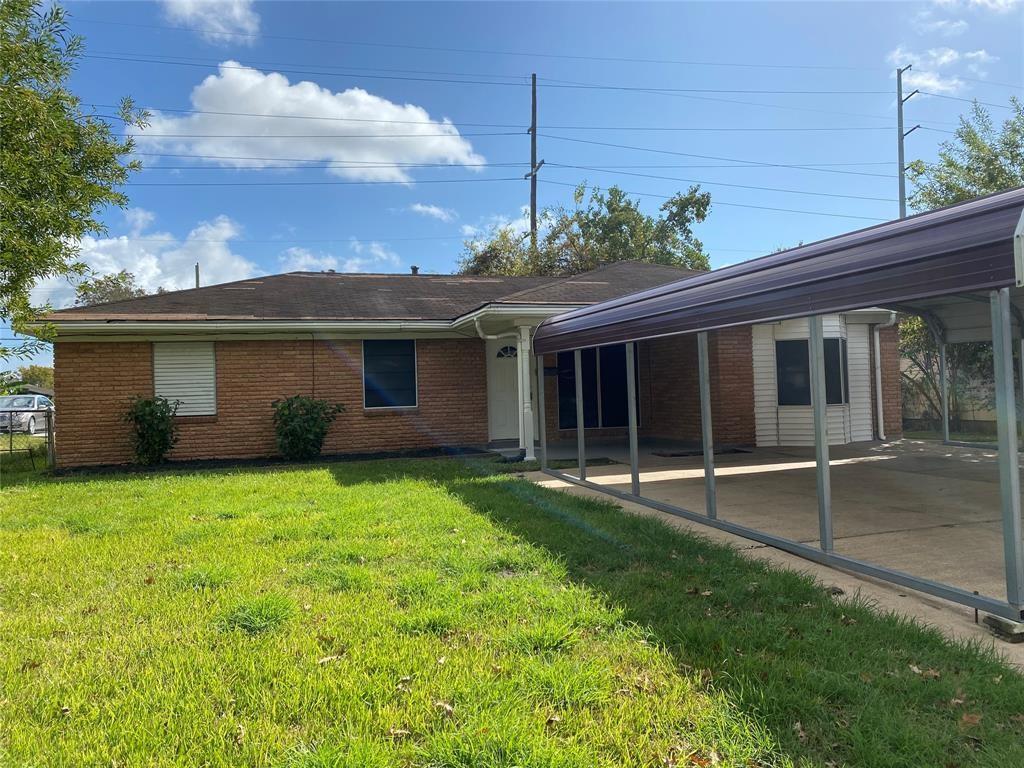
column 422, row 361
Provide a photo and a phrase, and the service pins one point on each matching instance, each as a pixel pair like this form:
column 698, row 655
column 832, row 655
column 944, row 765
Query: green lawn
column 442, row 613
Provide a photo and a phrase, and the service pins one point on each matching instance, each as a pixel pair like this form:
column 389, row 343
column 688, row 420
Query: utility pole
column 534, row 165
column 197, row 274
column 901, row 135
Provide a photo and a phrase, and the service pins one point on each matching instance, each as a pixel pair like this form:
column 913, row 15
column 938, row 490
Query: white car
column 24, row 413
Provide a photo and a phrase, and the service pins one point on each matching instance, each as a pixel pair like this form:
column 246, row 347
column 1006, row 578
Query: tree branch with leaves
column 60, row 165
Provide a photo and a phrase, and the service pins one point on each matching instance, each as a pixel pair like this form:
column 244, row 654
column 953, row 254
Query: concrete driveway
column 917, row 506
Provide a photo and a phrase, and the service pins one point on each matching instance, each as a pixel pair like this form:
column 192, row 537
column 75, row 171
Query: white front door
column 502, row 389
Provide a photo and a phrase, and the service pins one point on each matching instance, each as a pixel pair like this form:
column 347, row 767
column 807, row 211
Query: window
column 793, row 372
column 604, row 388
column 389, row 373
column 186, row 372
column 508, row 351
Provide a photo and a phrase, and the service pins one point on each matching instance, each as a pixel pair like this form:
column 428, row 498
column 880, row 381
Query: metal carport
column 961, row 268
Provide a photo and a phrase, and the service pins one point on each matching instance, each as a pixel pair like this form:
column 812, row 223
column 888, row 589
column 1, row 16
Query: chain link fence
column 30, row 433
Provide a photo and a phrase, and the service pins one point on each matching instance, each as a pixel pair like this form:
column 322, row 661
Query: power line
column 264, row 63
column 746, row 167
column 726, row 184
column 715, row 129
column 713, row 157
column 141, row 60
column 788, row 107
column 328, row 165
column 736, row 205
column 367, row 163
column 305, row 163
column 1017, row 86
column 969, row 101
column 312, row 117
column 491, row 52
column 456, row 135
column 311, row 183
column 564, row 85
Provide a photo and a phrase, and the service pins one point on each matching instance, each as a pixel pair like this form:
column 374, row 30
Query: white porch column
column 523, row 356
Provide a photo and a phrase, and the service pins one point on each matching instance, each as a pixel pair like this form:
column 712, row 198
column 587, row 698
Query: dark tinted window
column 793, row 372
column 389, row 373
column 837, row 384
column 604, row 384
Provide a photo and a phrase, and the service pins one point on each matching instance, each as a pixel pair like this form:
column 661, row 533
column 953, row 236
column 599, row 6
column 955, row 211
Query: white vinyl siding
column 766, row 417
column 781, row 425
column 859, row 362
column 186, row 371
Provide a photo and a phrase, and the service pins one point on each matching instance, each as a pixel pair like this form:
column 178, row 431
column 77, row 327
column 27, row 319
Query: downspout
column 494, row 336
column 879, row 404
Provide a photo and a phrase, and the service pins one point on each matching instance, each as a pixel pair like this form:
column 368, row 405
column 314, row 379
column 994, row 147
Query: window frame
column 598, row 390
column 415, row 374
column 214, row 382
column 844, row 372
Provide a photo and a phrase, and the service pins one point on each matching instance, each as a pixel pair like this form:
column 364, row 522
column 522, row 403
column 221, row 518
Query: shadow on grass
column 833, row 680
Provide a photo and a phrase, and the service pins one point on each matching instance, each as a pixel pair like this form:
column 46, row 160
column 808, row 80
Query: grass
column 444, row 614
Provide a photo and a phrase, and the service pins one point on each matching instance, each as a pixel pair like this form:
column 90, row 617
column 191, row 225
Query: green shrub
column 301, row 424
column 155, row 429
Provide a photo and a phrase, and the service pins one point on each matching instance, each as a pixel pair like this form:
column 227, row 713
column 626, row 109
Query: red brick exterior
column 93, row 385
column 892, row 398
column 94, row 382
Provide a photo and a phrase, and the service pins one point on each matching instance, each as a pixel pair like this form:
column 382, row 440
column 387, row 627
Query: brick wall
column 669, row 395
column 892, row 401
column 94, row 383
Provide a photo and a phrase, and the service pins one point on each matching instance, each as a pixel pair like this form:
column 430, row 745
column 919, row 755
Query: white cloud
column 138, row 219
column 347, row 127
column 516, row 225
column 932, row 68
column 926, row 24
column 370, row 256
column 976, row 61
column 998, row 6
column 434, row 211
column 217, row 21
column 158, row 260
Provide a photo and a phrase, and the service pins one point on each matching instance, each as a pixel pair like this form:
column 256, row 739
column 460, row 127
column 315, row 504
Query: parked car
column 24, row 413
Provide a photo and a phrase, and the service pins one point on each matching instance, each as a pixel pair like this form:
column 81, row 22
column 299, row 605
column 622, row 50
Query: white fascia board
column 140, row 328
column 534, row 311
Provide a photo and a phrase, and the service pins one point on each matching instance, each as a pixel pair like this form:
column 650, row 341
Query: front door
column 502, row 389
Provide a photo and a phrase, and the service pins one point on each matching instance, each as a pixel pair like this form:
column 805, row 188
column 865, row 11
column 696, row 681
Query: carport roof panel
column 954, row 250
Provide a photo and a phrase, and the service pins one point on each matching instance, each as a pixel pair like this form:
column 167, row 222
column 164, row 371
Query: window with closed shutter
column 186, row 371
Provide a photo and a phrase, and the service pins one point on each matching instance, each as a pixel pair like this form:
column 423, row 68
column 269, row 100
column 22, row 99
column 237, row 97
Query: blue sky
column 444, row 85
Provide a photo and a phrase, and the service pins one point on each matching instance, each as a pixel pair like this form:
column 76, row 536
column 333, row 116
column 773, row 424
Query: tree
column 38, row 375
column 59, row 165
column 978, row 160
column 610, row 227
column 104, row 288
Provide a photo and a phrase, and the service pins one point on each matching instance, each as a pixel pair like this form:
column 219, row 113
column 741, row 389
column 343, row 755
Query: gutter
column 492, row 336
column 879, row 405
column 128, row 326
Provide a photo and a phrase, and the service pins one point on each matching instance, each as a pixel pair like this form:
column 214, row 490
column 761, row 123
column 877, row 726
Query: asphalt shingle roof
column 356, row 296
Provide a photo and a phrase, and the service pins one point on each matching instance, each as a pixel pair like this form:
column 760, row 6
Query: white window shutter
column 186, row 371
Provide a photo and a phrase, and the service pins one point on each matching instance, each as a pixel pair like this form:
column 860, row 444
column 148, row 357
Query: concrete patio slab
column 916, row 506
